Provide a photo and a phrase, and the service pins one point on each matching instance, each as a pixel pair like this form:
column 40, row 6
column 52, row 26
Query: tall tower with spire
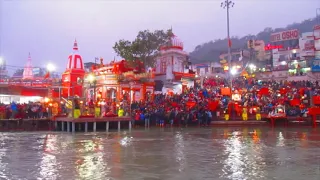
column 72, row 78
column 27, row 71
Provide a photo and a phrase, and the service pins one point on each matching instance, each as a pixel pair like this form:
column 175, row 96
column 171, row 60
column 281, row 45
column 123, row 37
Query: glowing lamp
column 46, row 100
column 51, row 67
column 233, row 71
column 91, row 77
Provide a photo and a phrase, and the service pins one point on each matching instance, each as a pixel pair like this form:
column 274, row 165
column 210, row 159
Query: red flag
column 264, row 91
column 212, row 105
column 46, row 76
column 295, row 102
column 283, row 91
column 174, row 104
column 190, row 104
column 229, row 43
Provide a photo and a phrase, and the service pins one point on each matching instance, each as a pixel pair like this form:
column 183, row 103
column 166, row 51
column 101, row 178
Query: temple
column 118, row 82
column 27, row 71
column 172, row 72
column 72, row 78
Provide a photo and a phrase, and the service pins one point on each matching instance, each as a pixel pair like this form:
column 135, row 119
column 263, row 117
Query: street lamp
column 227, row 4
column 51, row 67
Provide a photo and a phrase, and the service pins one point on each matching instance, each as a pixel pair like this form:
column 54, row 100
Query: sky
column 48, row 28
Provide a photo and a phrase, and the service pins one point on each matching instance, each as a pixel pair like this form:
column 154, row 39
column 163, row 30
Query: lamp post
column 227, row 4
column 318, row 14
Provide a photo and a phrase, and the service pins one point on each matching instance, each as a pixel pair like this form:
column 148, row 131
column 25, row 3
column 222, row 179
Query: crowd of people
column 213, row 100
column 31, row 110
column 250, row 99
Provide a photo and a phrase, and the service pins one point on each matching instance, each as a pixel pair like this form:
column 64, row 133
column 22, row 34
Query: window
column 163, row 66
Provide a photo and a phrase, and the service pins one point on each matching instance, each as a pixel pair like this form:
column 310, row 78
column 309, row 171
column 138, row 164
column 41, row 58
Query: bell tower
column 72, row 78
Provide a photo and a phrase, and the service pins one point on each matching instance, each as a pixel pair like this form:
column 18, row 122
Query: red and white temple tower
column 73, row 76
column 172, row 67
column 27, row 71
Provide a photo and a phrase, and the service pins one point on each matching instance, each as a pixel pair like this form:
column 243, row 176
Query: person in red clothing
column 136, row 117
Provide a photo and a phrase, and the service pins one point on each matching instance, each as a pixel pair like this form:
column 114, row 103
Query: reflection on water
column 217, row 153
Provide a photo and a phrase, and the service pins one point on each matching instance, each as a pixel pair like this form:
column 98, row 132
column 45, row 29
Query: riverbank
column 115, row 123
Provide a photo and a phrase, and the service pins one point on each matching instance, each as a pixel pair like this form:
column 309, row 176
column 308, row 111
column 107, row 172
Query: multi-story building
column 315, row 66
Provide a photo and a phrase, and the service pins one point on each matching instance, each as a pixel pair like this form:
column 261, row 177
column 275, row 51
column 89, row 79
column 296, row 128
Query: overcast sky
column 47, row 28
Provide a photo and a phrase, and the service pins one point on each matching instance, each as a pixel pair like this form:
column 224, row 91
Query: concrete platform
column 86, row 123
column 25, row 125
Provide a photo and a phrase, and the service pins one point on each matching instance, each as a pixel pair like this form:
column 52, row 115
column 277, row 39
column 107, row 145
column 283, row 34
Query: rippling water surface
column 186, row 154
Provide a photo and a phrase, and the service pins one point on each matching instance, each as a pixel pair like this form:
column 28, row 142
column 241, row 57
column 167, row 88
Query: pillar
column 152, row 94
column 130, row 125
column 143, row 92
column 73, row 127
column 56, row 125
column 86, row 127
column 94, row 126
column 118, row 92
column 119, row 126
column 62, row 126
column 68, row 126
column 107, row 126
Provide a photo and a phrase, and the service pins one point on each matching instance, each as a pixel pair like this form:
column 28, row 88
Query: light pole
column 227, row 4
column 318, row 14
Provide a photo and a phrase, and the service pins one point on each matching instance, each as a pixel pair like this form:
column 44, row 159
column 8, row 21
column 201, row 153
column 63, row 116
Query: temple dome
column 75, row 59
column 176, row 42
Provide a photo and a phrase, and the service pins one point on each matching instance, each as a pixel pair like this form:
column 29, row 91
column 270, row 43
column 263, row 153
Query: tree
column 144, row 48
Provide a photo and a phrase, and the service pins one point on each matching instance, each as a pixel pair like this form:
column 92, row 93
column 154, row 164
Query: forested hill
column 210, row 51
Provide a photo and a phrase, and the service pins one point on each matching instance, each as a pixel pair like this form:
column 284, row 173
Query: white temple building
column 172, row 68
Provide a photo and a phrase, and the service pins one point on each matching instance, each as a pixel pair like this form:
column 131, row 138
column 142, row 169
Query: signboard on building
column 315, row 65
column 316, row 27
column 285, row 35
column 35, row 71
column 309, row 45
column 270, row 47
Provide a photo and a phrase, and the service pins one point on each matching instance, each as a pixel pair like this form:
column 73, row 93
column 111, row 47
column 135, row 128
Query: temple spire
column 75, row 45
column 27, row 71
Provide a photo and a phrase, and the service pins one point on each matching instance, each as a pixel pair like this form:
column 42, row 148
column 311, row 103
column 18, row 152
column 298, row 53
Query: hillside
column 210, row 51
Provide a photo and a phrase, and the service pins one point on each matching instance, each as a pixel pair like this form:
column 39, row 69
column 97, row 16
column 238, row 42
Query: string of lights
column 15, row 68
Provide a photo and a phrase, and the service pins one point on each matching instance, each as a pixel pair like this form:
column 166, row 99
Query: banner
column 285, row 35
column 315, row 65
column 225, row 91
column 316, row 100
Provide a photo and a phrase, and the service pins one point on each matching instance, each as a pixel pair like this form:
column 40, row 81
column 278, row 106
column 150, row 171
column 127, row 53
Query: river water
column 186, row 154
